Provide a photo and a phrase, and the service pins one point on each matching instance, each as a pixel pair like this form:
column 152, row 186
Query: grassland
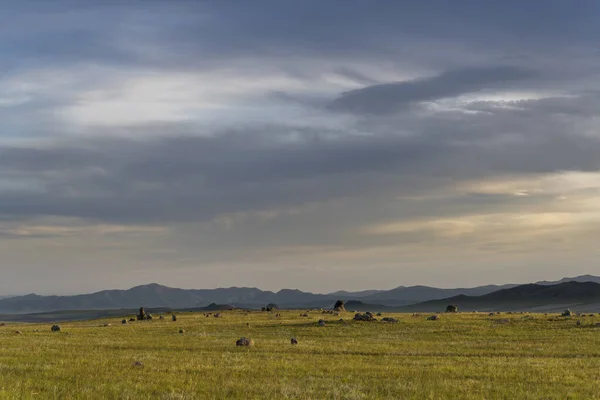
column 462, row 356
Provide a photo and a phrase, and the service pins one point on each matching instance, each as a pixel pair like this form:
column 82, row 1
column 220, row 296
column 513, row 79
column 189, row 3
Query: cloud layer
column 205, row 145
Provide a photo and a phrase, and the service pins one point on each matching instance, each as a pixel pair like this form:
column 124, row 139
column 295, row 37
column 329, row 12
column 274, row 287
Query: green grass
column 461, row 356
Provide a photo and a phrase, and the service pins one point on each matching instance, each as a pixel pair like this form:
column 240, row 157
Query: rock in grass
column 433, row 318
column 161, row 317
column 321, row 322
column 244, row 342
column 18, row 332
column 138, row 364
column 364, row 317
column 131, row 319
column 566, row 313
column 452, row 308
column 181, row 331
column 124, row 321
column 174, row 317
column 339, row 306
column 389, row 319
column 294, row 340
column 55, row 328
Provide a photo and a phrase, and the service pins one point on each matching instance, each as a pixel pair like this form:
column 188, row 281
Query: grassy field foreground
column 461, row 356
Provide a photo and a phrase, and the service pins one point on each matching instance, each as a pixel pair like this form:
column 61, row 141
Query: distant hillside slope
column 583, row 296
column 413, row 294
column 155, row 295
column 580, row 278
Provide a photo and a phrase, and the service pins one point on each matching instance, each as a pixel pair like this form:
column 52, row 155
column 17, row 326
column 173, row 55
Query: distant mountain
column 580, row 278
column 155, row 295
column 356, row 295
column 414, row 294
column 581, row 296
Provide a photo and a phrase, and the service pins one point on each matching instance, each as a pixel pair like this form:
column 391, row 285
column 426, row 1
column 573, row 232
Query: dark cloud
column 393, row 97
column 189, row 177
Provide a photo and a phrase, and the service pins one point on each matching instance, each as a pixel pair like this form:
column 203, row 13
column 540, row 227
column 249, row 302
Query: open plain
column 462, row 355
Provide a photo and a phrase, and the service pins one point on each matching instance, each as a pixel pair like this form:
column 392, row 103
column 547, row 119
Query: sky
column 317, row 145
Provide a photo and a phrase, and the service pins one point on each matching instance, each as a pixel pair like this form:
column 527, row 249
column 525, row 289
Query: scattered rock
column 124, row 321
column 218, row 315
column 452, row 308
column 566, row 313
column 181, row 331
column 107, row 324
column 244, row 342
column 18, row 332
column 341, row 320
column 491, row 314
column 434, row 317
column 131, row 319
column 389, row 319
column 339, row 306
column 138, row 364
column 364, row 317
column 321, row 322
column 174, row 317
column 55, row 328
column 294, row 340
column 304, row 315
column 143, row 315
column 578, row 323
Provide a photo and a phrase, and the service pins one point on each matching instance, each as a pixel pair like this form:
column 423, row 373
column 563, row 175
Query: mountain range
column 402, row 298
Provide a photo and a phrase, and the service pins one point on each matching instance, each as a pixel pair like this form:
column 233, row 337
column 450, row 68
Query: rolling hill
column 402, row 298
column 581, row 296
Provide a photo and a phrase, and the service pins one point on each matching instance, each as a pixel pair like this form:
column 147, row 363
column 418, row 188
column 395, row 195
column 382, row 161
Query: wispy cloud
column 390, row 143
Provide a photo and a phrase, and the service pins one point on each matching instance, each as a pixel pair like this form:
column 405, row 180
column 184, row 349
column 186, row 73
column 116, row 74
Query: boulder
column 321, row 322
column 55, row 328
column 124, row 321
column 339, row 306
column 181, row 331
column 566, row 313
column 364, row 317
column 452, row 308
column 244, row 342
column 174, row 317
column 143, row 315
column 433, row 318
column 294, row 340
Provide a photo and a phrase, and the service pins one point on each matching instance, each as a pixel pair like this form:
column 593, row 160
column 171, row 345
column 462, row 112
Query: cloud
column 393, row 97
column 235, row 137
